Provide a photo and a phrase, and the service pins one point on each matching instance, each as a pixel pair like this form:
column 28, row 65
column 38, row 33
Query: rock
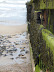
column 6, row 51
column 7, row 47
column 1, row 36
column 9, row 36
column 10, row 51
column 16, row 43
column 24, row 47
column 6, row 41
column 27, row 52
column 14, row 49
column 0, row 42
column 17, row 57
column 20, row 34
column 23, row 57
column 5, row 55
column 2, row 48
column 0, row 53
column 11, row 54
column 12, row 58
column 22, row 50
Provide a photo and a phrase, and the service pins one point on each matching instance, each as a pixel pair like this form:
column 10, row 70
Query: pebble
column 14, row 49
column 0, row 53
column 9, row 36
column 21, row 55
column 16, row 43
column 12, row 58
column 11, row 54
column 17, row 57
column 8, row 48
column 2, row 48
column 27, row 52
column 6, row 51
column 24, row 47
column 22, row 50
column 4, row 55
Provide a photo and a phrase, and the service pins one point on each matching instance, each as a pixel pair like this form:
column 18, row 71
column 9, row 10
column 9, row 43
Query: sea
column 13, row 12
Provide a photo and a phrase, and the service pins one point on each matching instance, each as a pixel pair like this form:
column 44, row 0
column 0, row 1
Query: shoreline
column 12, row 30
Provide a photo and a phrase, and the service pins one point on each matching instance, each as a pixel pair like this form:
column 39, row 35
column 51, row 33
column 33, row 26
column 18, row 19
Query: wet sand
column 12, row 29
column 14, row 42
column 15, row 56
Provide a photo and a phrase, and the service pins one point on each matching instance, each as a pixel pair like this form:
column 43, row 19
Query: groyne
column 42, row 41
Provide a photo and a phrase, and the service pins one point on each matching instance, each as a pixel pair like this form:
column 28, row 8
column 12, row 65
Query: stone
column 24, row 47
column 0, row 53
column 20, row 34
column 3, row 47
column 27, row 52
column 23, row 57
column 12, row 58
column 0, row 42
column 11, row 54
column 10, row 51
column 1, row 36
column 9, row 36
column 16, row 43
column 14, row 49
column 6, row 51
column 22, row 50
column 17, row 57
column 5, row 55
column 7, row 41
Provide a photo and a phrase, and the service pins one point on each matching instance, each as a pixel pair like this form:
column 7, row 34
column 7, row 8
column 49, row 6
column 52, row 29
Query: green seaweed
column 37, row 68
column 49, row 38
column 46, row 4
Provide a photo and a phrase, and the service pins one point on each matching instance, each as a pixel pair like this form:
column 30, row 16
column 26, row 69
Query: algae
column 37, row 68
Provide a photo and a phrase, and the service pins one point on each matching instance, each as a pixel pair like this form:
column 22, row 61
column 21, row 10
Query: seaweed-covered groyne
column 29, row 8
column 41, row 44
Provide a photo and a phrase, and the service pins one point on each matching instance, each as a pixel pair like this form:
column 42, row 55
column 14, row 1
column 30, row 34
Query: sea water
column 13, row 12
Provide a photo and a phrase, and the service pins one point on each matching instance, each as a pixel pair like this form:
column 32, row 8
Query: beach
column 14, row 40
column 4, row 29
column 15, row 52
